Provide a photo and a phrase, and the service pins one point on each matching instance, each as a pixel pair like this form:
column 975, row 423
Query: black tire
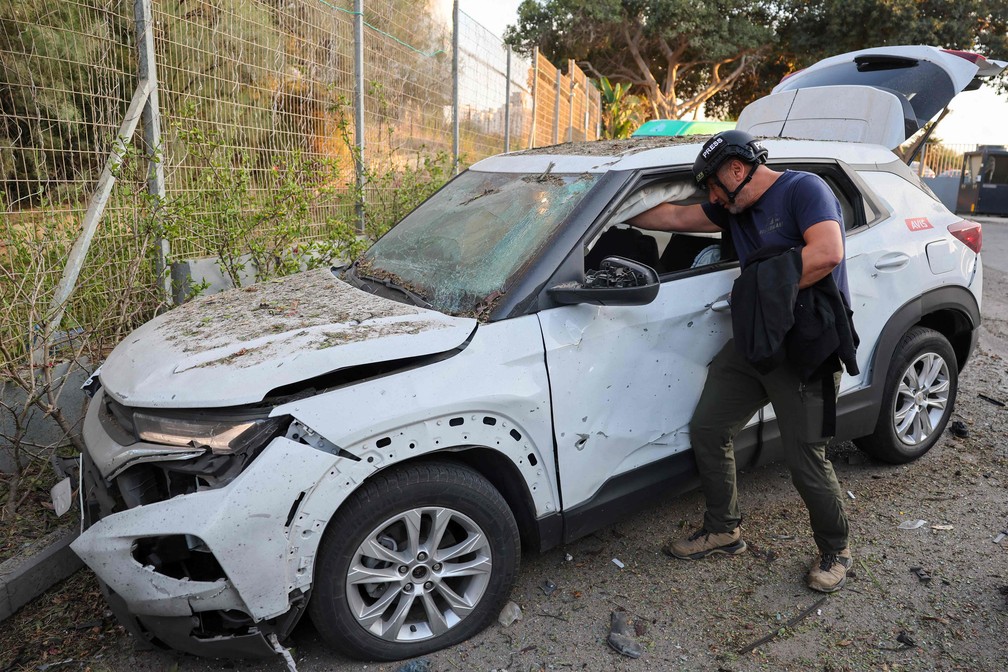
column 923, row 376
column 357, row 618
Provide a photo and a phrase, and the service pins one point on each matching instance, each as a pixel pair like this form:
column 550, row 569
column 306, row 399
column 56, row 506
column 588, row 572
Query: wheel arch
column 951, row 311
column 503, row 474
column 495, row 446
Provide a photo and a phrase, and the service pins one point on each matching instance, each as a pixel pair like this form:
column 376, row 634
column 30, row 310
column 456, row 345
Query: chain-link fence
column 271, row 125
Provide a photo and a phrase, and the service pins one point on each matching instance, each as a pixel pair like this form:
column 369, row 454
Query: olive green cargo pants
column 733, row 393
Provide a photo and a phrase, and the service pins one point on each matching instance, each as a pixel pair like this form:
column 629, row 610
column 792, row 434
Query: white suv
column 511, row 367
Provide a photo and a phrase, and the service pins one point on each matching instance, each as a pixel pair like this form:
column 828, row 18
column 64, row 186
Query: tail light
column 969, row 233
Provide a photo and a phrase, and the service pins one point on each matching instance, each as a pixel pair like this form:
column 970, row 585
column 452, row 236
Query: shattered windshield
column 460, row 248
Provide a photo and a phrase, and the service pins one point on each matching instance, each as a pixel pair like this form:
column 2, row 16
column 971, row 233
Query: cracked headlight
column 222, row 435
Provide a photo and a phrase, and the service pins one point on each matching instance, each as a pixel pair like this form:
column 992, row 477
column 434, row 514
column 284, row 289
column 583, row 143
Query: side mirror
column 618, row 282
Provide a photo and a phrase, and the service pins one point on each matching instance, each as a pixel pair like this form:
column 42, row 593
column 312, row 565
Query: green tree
column 809, row 30
column 675, row 53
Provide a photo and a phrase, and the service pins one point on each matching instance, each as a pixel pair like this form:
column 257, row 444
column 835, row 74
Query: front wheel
column 418, row 559
column 920, row 391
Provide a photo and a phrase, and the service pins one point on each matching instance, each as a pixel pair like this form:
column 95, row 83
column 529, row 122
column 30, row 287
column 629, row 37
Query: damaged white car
column 509, row 368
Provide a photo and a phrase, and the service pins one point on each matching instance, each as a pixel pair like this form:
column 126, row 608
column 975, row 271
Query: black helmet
column 726, row 145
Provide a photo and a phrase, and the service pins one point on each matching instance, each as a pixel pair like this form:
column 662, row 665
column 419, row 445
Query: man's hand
column 823, row 251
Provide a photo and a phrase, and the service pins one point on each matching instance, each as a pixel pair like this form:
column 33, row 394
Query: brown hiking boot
column 702, row 543
column 829, row 574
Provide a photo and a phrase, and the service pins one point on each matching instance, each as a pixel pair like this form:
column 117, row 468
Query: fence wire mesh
column 67, row 74
column 257, row 109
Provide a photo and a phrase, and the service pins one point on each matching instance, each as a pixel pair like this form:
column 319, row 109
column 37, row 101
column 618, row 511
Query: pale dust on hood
column 310, row 310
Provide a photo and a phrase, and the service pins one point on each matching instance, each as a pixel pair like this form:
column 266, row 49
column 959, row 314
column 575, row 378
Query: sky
column 976, row 117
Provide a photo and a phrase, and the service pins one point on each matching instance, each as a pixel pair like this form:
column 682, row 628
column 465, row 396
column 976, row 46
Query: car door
column 624, row 380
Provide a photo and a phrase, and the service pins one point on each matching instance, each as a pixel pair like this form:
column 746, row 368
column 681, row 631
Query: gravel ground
column 708, row 615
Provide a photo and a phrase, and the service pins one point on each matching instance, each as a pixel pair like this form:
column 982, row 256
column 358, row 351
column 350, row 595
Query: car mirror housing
column 617, row 282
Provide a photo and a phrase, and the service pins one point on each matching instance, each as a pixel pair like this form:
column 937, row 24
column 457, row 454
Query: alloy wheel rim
column 921, row 399
column 419, row 574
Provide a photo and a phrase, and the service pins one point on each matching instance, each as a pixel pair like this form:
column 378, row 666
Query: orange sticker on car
column 918, row 224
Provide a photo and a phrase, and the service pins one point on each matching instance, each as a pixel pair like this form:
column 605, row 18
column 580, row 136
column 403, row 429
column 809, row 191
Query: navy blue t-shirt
column 780, row 217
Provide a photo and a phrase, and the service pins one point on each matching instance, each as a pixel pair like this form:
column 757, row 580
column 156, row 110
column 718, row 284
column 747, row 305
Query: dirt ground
column 751, row 612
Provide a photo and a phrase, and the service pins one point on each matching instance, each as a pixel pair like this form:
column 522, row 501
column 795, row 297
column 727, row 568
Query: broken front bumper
column 213, row 572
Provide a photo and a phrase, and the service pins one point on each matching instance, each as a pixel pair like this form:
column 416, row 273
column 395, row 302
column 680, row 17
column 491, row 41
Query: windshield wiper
column 414, row 298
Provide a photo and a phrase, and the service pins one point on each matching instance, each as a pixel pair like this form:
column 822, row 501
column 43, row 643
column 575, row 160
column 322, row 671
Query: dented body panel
column 273, row 334
column 242, row 524
column 648, row 364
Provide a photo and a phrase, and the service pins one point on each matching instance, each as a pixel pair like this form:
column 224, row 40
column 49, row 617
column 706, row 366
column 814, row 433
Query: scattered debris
column 773, row 635
column 509, row 614
column 991, row 399
column 62, row 497
column 942, row 528
column 618, row 563
column 619, row 638
column 769, row 555
column 856, row 457
column 568, row 557
column 912, row 524
column 556, row 616
column 851, row 494
column 922, row 574
column 906, row 642
column 284, row 652
column 871, row 576
column 547, row 587
column 905, row 639
column 1000, row 536
column 958, row 428
column 783, row 537
column 418, row 665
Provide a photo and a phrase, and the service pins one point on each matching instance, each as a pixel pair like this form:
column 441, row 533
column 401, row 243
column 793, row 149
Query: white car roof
column 657, row 152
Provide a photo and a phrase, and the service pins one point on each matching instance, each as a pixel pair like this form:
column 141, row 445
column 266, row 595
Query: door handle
column 721, row 305
column 892, row 261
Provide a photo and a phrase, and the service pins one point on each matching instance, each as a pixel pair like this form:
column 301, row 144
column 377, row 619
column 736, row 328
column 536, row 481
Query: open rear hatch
column 881, row 96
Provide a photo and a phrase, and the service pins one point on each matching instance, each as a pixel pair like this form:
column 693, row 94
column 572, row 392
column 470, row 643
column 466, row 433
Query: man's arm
column 669, row 217
column 822, row 253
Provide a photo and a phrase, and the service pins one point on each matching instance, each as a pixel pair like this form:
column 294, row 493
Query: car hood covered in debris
column 235, row 347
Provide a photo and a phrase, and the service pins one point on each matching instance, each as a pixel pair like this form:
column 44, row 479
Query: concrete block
column 27, row 575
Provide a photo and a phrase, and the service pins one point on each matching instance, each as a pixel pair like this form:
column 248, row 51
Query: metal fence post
column 455, row 84
column 359, row 165
column 570, row 100
column 535, row 95
column 151, row 120
column 507, row 104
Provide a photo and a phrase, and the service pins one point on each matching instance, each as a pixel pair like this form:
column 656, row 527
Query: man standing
column 763, row 210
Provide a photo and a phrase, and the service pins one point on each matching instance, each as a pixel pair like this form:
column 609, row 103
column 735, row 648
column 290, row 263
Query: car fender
column 860, row 409
column 494, row 394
